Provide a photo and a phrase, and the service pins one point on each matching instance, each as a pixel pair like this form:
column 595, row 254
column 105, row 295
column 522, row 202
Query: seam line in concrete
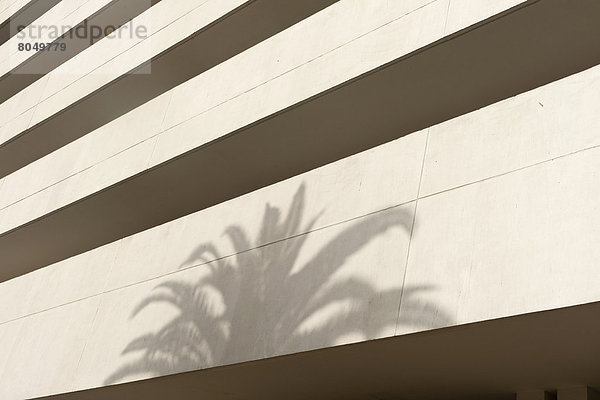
column 100, row 298
column 149, row 163
column 447, row 16
column 112, row 266
column 75, row 10
column 86, row 340
column 412, row 228
column 511, row 171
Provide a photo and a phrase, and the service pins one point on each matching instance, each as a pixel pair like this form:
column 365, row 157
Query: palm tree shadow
column 263, row 300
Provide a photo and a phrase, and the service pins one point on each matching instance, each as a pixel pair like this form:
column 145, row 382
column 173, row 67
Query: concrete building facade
column 324, row 199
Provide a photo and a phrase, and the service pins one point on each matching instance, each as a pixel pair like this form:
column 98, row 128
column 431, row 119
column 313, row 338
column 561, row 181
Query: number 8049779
column 42, row 46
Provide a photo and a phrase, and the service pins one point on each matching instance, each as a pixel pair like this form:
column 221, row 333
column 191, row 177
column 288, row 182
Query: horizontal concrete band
column 28, row 13
column 210, row 44
column 475, row 68
column 116, row 13
column 491, row 360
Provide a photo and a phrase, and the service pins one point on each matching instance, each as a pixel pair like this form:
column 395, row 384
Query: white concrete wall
column 488, row 215
column 327, row 257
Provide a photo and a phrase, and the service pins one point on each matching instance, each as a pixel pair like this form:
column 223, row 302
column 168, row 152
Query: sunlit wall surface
column 192, row 184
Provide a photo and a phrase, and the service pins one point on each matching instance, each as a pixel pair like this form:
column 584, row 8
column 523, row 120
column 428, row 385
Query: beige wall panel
column 45, row 357
column 9, row 335
column 523, row 242
column 17, row 294
column 535, row 126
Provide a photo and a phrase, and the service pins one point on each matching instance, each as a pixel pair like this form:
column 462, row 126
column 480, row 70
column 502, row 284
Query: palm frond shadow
column 266, row 300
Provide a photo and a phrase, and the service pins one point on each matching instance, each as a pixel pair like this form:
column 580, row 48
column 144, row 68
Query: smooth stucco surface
column 470, row 245
column 487, row 215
